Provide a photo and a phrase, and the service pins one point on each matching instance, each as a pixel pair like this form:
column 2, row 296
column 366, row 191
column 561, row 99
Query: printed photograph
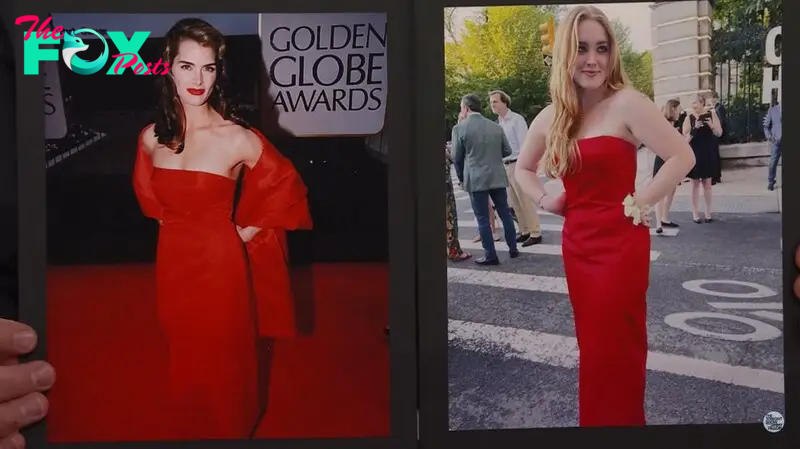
column 614, row 215
column 217, row 225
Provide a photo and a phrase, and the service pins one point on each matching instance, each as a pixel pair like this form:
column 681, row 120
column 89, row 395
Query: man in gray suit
column 479, row 146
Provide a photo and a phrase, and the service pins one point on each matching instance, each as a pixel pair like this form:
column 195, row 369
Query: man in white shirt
column 516, row 128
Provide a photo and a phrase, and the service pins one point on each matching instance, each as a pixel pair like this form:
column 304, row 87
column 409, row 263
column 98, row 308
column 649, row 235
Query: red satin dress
column 607, row 264
column 216, row 295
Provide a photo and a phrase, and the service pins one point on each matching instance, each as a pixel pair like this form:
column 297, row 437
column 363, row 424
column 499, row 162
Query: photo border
column 402, row 277
column 432, row 277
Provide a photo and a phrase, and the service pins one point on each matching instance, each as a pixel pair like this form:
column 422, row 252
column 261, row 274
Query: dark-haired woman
column 222, row 278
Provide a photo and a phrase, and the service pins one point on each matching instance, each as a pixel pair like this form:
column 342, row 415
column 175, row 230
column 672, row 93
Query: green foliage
column 500, row 49
column 638, row 65
column 744, row 119
column 741, row 28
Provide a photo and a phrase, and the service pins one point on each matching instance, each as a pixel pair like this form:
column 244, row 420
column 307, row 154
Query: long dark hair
column 170, row 120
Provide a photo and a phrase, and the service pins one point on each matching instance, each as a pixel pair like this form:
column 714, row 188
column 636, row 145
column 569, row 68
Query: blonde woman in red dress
column 588, row 138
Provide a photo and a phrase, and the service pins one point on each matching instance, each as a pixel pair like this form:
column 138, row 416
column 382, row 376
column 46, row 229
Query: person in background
column 492, row 216
column 672, row 112
column 713, row 102
column 479, row 146
column 702, row 128
column 454, row 251
column 515, row 127
column 773, row 132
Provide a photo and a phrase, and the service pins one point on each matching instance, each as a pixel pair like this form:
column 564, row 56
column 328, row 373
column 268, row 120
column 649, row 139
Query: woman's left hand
column 247, row 234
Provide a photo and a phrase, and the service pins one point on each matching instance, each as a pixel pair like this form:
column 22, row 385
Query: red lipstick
column 196, row 92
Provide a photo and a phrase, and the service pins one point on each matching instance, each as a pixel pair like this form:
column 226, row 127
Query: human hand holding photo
column 797, row 279
column 21, row 384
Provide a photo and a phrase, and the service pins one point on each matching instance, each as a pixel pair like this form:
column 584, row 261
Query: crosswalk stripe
column 542, row 248
column 550, row 227
column 540, row 212
column 562, row 351
column 527, row 282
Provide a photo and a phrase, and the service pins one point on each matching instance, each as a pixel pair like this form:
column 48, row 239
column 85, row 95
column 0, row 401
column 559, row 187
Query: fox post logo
column 73, row 44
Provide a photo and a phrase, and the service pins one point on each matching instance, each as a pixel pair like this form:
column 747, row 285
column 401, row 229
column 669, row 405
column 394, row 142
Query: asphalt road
column 512, row 357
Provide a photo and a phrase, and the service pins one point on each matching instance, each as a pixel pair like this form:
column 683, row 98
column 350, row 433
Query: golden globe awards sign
column 772, row 73
column 55, row 119
column 328, row 74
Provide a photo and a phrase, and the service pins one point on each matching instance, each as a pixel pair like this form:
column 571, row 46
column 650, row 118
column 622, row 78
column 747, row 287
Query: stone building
column 682, row 64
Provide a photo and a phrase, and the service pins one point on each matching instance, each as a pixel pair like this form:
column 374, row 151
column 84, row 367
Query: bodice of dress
column 702, row 136
column 605, row 175
column 186, row 195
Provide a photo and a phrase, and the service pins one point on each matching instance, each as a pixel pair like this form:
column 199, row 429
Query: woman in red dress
column 222, row 278
column 588, row 138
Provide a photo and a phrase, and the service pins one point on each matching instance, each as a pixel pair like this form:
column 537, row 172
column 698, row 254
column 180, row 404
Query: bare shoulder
column 245, row 142
column 148, row 138
column 631, row 100
column 541, row 123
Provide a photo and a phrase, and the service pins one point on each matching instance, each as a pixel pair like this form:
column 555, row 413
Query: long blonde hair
column 561, row 153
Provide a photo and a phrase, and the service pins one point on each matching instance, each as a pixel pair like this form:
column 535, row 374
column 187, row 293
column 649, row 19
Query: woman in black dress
column 702, row 128
column 673, row 114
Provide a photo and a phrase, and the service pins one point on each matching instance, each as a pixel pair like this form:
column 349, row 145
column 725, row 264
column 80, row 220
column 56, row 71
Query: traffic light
column 548, row 35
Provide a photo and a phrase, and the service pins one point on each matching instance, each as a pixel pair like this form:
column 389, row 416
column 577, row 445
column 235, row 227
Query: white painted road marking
column 562, row 351
column 698, row 286
column 547, row 227
column 747, row 305
column 539, row 211
column 761, row 330
column 542, row 248
column 500, row 279
column 768, row 315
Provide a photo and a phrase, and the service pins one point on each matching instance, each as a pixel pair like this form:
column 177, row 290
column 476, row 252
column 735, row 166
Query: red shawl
column 273, row 198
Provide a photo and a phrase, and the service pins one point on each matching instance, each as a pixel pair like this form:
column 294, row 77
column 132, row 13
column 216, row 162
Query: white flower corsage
column 633, row 210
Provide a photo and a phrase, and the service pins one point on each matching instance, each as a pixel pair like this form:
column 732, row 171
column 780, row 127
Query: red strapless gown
column 210, row 308
column 607, row 264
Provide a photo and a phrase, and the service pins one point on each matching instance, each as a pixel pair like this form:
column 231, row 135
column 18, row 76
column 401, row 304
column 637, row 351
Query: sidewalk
column 742, row 190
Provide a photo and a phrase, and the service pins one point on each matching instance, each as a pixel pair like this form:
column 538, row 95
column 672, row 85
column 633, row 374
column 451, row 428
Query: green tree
column 500, row 49
column 638, row 65
column 740, row 29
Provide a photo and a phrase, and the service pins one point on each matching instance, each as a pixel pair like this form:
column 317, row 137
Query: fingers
column 18, row 380
column 797, row 288
column 16, row 338
column 797, row 280
column 797, row 257
column 22, row 412
column 14, row 441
